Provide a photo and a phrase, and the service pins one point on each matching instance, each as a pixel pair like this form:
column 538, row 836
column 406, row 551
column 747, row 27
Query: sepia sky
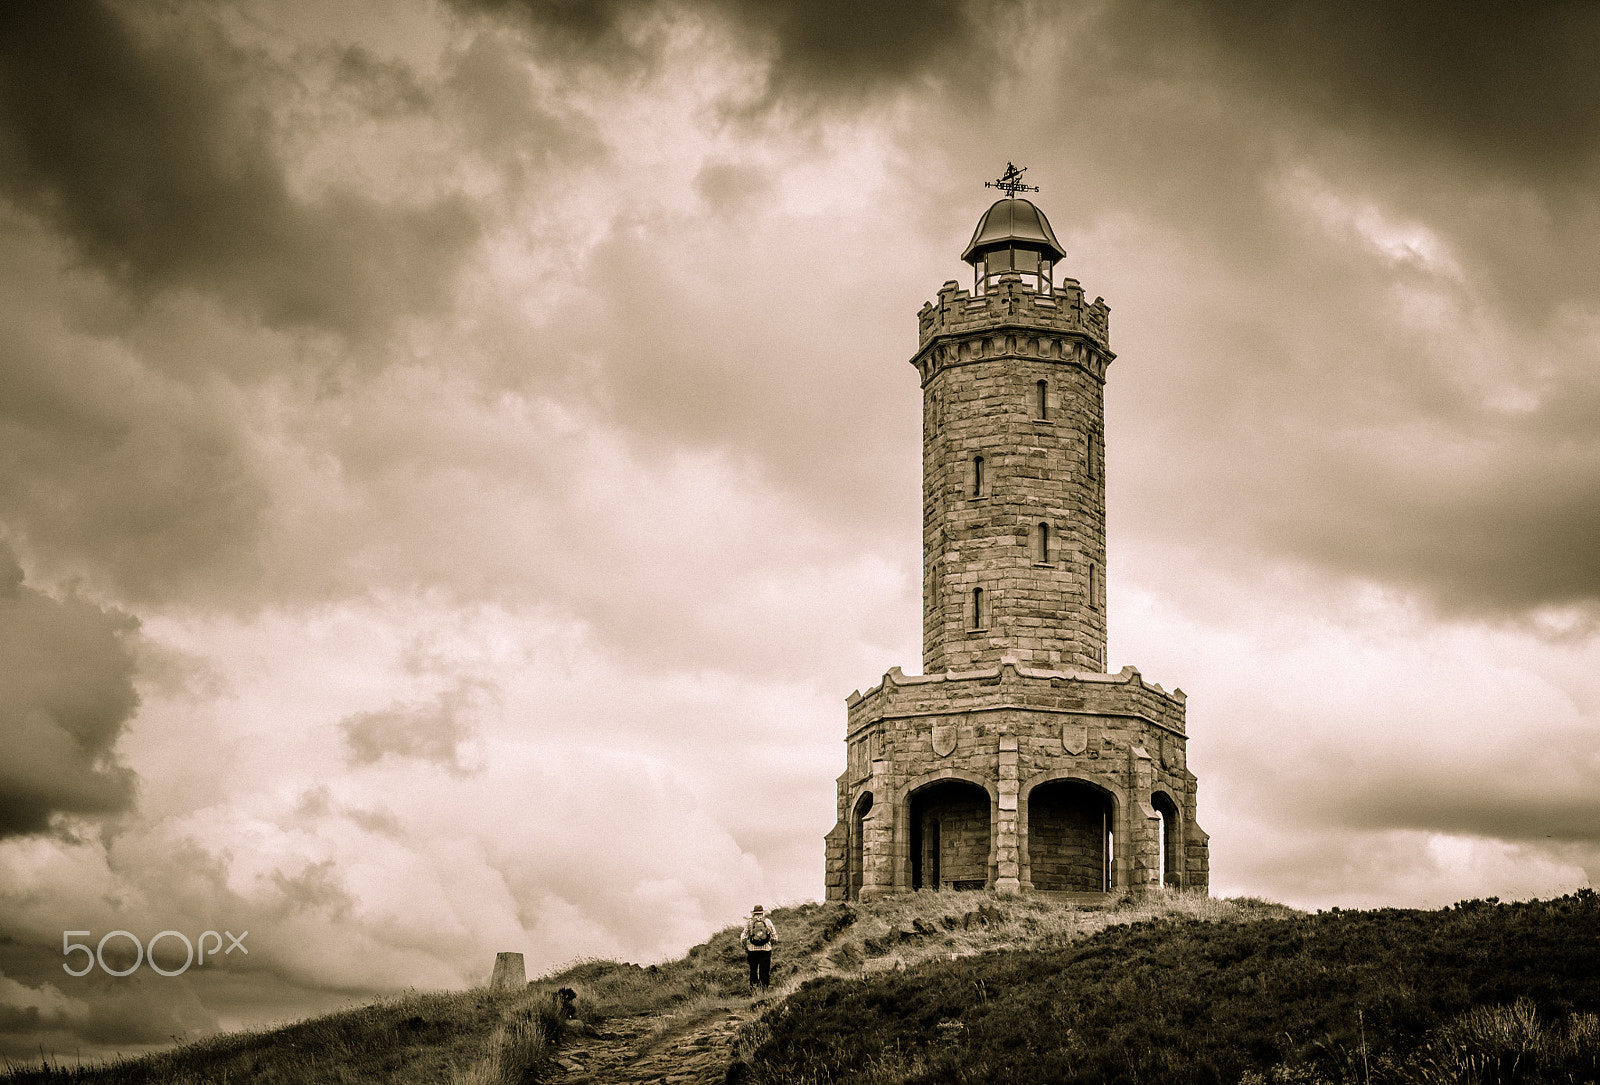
column 456, row 458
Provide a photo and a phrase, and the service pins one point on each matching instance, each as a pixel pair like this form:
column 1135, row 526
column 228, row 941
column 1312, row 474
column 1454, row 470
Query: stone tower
column 1014, row 762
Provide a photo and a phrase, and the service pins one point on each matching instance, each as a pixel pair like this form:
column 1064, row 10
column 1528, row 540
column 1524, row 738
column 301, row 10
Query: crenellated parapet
column 1012, row 686
column 1014, row 303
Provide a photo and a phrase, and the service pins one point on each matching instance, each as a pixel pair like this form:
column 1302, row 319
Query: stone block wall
column 1066, row 840
column 955, row 841
column 1008, row 730
column 997, row 464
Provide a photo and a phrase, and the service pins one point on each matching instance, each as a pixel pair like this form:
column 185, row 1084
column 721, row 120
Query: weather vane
column 1010, row 182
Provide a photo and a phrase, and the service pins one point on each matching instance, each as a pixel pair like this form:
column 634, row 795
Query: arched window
column 1041, row 400
column 980, row 483
column 1091, row 454
column 980, row 609
column 1041, row 544
column 1094, row 585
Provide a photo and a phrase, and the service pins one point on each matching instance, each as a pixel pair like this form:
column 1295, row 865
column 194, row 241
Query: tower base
column 1062, row 784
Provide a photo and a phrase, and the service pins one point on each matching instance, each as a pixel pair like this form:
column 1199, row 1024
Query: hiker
column 759, row 937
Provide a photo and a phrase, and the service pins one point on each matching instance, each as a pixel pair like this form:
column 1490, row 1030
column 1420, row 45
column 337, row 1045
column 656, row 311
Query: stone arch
column 917, row 783
column 947, row 831
column 1072, row 832
column 1169, row 842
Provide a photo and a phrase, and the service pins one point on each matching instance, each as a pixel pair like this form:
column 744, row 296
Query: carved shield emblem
column 1075, row 737
column 944, row 738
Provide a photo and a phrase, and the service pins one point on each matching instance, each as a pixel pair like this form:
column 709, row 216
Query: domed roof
column 1013, row 221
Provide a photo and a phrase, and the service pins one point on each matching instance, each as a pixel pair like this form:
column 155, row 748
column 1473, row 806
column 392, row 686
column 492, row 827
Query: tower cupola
column 1013, row 235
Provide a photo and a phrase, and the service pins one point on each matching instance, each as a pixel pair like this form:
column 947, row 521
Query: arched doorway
column 1170, row 839
column 950, row 836
column 855, row 847
column 1070, row 827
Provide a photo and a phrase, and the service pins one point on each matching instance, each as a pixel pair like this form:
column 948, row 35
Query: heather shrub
column 1389, row 995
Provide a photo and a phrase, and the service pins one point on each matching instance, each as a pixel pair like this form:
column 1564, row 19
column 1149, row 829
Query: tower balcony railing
column 1037, row 281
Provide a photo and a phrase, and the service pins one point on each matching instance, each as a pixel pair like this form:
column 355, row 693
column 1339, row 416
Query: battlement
column 1014, row 302
column 1014, row 686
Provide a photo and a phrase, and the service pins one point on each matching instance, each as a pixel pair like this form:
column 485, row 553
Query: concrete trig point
column 510, row 974
column 1014, row 762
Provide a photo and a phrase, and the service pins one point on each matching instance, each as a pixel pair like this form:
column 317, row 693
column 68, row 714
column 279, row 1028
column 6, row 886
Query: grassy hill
column 1480, row 992
column 971, row 987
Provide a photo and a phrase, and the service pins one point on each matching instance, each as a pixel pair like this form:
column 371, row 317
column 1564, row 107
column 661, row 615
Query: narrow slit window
column 1094, row 585
column 1092, row 454
column 1041, row 400
column 980, row 609
column 1041, row 544
column 980, row 484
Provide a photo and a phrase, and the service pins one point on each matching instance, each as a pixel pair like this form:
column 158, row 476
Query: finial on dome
column 1010, row 182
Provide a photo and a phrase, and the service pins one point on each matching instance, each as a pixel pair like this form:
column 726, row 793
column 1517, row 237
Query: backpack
column 760, row 933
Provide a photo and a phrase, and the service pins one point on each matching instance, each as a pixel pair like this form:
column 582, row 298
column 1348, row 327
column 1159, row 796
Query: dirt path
column 681, row 1050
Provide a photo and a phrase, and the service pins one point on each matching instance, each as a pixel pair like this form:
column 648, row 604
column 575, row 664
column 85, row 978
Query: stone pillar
column 878, row 854
column 1196, row 847
column 1008, row 866
column 510, row 974
column 834, row 870
column 1144, row 824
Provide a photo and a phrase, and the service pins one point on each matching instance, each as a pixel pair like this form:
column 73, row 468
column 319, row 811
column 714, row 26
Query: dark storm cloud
column 433, row 731
column 816, row 49
column 97, row 1014
column 143, row 1009
column 155, row 153
column 66, row 691
column 837, row 46
column 1515, row 536
column 1501, row 813
column 1481, row 119
column 1453, row 793
column 108, row 471
column 1514, row 87
column 494, row 108
column 1395, row 378
column 1476, row 510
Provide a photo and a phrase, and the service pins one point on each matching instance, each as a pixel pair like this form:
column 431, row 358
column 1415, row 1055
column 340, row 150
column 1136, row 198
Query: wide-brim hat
column 757, row 910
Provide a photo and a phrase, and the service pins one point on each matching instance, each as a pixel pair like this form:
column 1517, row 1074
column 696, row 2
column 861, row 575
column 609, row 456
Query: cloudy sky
column 456, row 458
